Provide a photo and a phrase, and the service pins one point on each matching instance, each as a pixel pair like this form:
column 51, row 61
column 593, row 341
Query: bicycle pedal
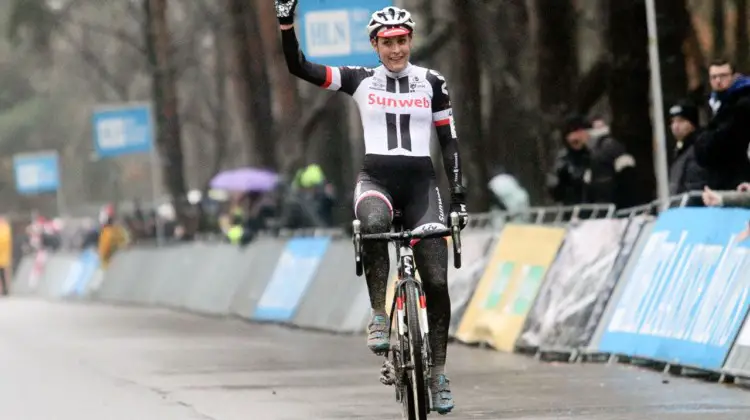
column 387, row 374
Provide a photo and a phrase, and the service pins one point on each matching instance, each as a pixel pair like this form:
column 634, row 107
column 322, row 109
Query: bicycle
column 408, row 363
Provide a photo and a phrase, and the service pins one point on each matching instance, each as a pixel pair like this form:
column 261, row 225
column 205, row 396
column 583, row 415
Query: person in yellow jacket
column 112, row 238
column 6, row 254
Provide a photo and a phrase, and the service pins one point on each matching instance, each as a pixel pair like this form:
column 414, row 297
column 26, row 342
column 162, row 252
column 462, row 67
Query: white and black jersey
column 398, row 112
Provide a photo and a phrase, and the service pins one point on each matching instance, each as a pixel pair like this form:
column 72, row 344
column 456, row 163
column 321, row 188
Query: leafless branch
column 93, row 61
column 115, row 33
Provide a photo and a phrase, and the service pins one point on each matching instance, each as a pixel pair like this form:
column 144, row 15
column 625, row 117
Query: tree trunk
column 513, row 137
column 742, row 43
column 557, row 66
column 719, row 27
column 220, row 112
column 469, row 115
column 629, row 87
column 254, row 92
column 673, row 23
column 286, row 99
column 169, row 137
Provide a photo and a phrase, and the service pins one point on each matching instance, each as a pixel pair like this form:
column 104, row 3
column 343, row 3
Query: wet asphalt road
column 93, row 362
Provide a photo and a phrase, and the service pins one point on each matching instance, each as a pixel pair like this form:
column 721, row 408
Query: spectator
column 112, row 237
column 236, row 233
column 591, row 168
column 738, row 198
column 685, row 174
column 722, row 148
column 507, row 193
column 6, row 254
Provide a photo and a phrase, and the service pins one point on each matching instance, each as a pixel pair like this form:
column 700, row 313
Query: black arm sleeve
column 442, row 116
column 345, row 79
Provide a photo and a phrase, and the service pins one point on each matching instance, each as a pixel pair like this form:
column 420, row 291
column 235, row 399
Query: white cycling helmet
column 391, row 21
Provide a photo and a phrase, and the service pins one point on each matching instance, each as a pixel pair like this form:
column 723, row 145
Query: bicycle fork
column 406, row 273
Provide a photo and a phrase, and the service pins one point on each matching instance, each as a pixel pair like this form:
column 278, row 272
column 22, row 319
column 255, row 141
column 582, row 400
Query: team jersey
column 398, row 110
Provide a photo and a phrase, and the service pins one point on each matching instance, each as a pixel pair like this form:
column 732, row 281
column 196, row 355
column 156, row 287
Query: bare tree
column 628, row 86
column 719, row 27
column 741, row 36
column 254, row 84
column 557, row 66
column 169, row 137
column 468, row 94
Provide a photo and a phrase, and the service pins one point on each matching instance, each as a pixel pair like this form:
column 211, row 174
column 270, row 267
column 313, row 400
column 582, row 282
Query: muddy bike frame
column 408, row 364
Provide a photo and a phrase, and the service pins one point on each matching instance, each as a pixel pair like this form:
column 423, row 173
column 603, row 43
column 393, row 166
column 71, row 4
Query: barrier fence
column 671, row 288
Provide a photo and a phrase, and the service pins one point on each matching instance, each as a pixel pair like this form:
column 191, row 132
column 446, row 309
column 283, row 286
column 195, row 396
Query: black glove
column 285, row 11
column 458, row 205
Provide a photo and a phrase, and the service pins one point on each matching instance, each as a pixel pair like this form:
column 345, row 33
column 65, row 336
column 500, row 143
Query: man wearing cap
column 591, row 167
column 685, row 174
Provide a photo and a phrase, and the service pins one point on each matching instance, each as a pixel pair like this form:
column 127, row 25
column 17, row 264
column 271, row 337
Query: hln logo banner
column 332, row 32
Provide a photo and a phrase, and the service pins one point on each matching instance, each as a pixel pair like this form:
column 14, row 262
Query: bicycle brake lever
column 454, row 219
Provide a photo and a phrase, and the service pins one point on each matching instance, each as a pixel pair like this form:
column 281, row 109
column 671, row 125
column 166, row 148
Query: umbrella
column 245, row 180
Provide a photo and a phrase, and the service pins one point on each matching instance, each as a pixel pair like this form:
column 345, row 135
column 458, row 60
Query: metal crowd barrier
column 653, row 208
column 549, row 215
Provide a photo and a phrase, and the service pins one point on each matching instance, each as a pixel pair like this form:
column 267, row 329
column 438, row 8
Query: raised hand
column 285, row 11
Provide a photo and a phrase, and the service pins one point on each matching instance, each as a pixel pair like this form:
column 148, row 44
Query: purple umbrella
column 245, row 180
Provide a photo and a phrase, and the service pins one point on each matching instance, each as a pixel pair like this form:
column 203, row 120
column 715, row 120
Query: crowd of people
column 593, row 167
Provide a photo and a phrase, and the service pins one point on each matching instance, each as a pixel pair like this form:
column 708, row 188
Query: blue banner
column 81, row 273
column 36, row 172
column 333, row 32
column 688, row 294
column 294, row 272
column 122, row 129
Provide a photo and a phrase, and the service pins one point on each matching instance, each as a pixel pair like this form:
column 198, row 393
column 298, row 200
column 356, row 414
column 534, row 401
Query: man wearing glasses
column 722, row 149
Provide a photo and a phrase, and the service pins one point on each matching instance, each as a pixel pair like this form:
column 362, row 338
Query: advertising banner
column 294, row 272
column 475, row 254
column 573, row 284
column 509, row 285
column 688, row 293
column 628, row 242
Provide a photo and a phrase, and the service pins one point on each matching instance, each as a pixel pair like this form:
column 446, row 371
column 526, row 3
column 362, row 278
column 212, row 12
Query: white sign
column 328, row 33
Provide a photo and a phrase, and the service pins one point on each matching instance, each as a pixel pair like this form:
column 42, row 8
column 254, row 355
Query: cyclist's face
column 394, row 51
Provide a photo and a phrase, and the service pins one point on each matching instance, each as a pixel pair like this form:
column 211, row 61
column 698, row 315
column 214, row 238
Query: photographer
column 591, row 168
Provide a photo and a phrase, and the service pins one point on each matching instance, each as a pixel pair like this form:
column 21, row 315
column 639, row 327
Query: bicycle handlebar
column 454, row 231
column 406, row 235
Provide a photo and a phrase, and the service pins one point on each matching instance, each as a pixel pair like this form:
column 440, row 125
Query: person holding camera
column 591, row 168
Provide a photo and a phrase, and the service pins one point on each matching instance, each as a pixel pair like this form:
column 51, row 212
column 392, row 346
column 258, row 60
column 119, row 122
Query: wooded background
column 224, row 98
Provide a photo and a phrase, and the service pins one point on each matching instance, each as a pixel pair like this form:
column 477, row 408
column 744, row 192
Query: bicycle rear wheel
column 416, row 375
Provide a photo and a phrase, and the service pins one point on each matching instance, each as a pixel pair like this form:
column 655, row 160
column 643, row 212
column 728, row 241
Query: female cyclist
column 398, row 103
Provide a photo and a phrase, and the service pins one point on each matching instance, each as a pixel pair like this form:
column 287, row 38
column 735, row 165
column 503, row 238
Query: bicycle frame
column 406, row 269
column 400, row 360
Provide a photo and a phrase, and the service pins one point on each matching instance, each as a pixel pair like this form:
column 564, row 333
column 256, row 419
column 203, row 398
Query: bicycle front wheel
column 416, row 375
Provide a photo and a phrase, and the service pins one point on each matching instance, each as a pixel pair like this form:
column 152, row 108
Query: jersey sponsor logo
column 442, row 116
column 415, row 84
column 377, row 84
column 441, row 212
column 444, row 85
column 373, row 99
